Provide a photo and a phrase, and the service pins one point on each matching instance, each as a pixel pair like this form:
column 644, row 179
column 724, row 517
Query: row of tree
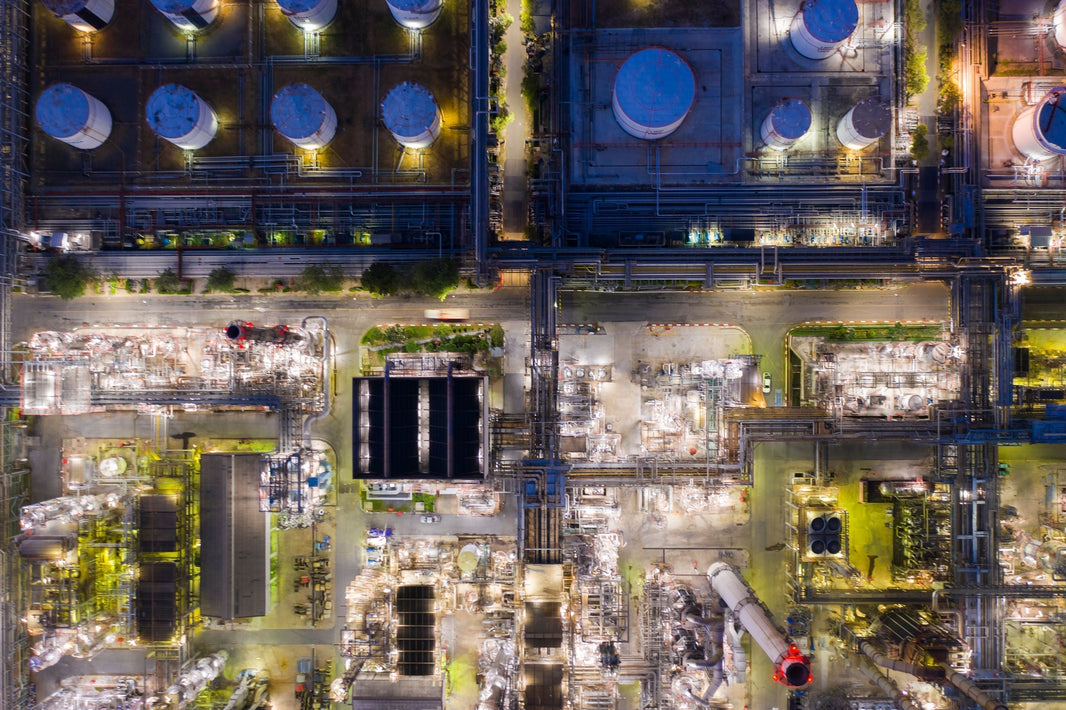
column 68, row 277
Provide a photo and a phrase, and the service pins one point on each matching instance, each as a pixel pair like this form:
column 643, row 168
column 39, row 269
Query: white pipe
column 792, row 667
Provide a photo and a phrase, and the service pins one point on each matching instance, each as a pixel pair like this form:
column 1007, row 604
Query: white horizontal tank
column 821, row 26
column 82, row 15
column 309, row 15
column 865, row 123
column 69, row 114
column 179, row 115
column 415, row 14
column 303, row 116
column 410, row 113
column 653, row 93
column 788, row 121
column 1039, row 133
column 189, row 15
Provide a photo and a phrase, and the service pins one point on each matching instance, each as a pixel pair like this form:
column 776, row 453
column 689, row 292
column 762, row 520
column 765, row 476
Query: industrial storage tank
column 821, row 26
column 787, row 122
column 865, row 123
column 178, row 115
column 188, row 15
column 71, row 115
column 82, row 15
column 653, row 93
column 1039, row 133
column 309, row 15
column 410, row 113
column 303, row 116
column 415, row 14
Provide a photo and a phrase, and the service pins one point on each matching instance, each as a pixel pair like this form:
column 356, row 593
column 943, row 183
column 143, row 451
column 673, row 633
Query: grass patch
column 870, row 333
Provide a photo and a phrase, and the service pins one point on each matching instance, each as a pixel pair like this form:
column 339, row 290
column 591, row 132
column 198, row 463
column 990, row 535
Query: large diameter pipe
column 886, row 684
column 792, row 668
column 966, row 686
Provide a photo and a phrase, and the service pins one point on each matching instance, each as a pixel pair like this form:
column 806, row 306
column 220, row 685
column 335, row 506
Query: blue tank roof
column 174, row 6
column 291, row 6
column 297, row 110
column 1051, row 119
column 415, row 5
column 65, row 7
column 409, row 109
column 791, row 118
column 62, row 110
column 172, row 110
column 831, row 20
column 655, row 87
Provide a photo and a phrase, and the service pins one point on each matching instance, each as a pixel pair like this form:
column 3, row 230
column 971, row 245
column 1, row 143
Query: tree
column 168, row 282
column 67, row 277
column 220, row 279
column 919, row 143
column 436, row 278
column 315, row 279
column 380, row 279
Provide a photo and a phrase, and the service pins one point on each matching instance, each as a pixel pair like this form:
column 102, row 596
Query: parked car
column 767, row 382
column 430, row 518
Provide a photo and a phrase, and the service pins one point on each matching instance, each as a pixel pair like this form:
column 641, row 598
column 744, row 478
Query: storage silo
column 865, row 123
column 788, row 121
column 71, row 115
column 188, row 15
column 82, row 15
column 821, row 26
column 1039, row 133
column 410, row 113
column 415, row 14
column 653, row 93
column 303, row 116
column 309, row 15
column 178, row 115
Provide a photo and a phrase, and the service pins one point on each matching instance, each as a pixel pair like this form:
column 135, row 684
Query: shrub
column 919, row 143
column 168, row 282
column 314, row 279
column 496, row 336
column 380, row 279
column 67, row 277
column 220, row 279
column 435, row 278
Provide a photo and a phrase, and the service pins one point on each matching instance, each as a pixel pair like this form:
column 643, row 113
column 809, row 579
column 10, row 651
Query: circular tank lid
column 791, row 118
column 172, row 110
column 409, row 109
column 655, row 87
column 298, row 110
column 291, row 6
column 1051, row 117
column 65, row 7
column 415, row 5
column 830, row 20
column 174, row 6
column 872, row 117
column 62, row 110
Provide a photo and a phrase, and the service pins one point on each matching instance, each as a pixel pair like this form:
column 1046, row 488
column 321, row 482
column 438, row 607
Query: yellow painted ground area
column 868, row 534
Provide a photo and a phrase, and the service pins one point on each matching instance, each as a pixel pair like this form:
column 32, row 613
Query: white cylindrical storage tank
column 71, row 115
column 410, row 113
column 821, row 26
column 653, row 93
column 865, row 123
column 188, row 15
column 415, row 14
column 787, row 122
column 178, row 115
column 1039, row 133
column 309, row 15
column 82, row 15
column 303, row 116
